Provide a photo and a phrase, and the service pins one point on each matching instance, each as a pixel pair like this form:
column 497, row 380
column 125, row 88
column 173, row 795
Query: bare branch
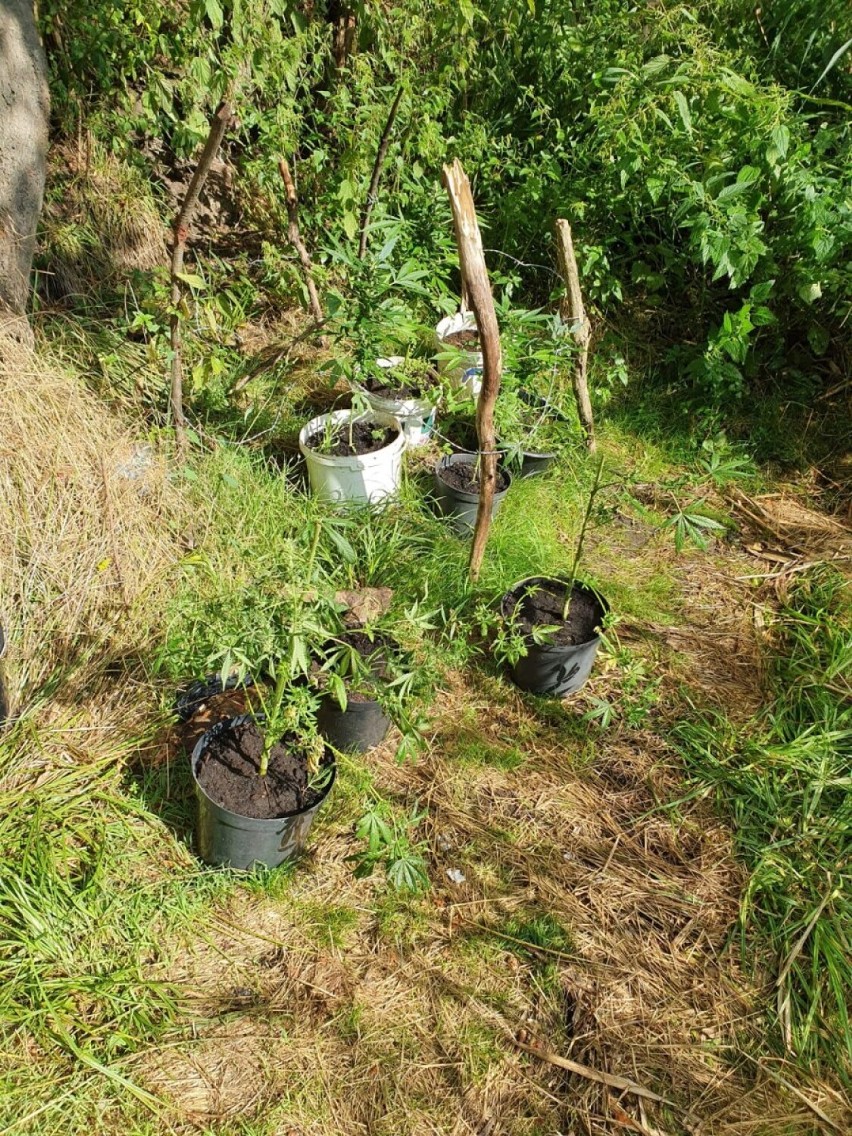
column 377, row 173
column 475, row 284
column 296, row 238
column 574, row 314
column 220, row 123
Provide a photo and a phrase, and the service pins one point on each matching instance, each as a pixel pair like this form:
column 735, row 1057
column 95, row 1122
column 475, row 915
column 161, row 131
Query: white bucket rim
column 354, row 461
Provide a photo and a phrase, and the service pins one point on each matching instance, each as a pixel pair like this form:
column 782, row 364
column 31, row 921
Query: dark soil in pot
column 397, row 392
column 375, row 653
column 364, row 437
column 562, row 664
column 464, row 477
column 228, row 774
column 468, row 338
column 543, row 606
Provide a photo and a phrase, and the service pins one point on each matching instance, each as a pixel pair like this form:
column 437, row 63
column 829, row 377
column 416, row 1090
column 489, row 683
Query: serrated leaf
column 818, row 338
column 408, row 874
column 350, row 225
column 781, row 140
column 761, row 292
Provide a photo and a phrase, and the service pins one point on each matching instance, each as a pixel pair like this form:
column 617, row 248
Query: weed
column 388, row 841
column 784, row 780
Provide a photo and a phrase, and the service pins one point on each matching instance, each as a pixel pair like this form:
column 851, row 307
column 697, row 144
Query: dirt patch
column 345, row 441
column 464, row 477
column 543, row 606
column 228, row 772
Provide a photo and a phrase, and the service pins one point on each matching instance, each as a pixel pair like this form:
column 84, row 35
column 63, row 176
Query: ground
column 574, row 966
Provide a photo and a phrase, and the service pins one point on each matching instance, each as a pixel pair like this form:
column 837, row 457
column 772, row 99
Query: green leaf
column 372, row 829
column 810, row 292
column 191, row 278
column 781, row 140
column 818, row 338
column 350, row 225
column 683, row 110
column 408, row 874
column 214, row 14
column 761, row 292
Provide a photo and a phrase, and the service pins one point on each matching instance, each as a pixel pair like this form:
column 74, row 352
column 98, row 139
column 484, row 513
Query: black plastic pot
column 459, row 506
column 228, row 839
column 552, row 669
column 359, row 728
column 528, row 463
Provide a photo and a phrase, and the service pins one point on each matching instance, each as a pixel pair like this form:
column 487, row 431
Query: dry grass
column 429, row 1016
column 99, row 223
column 84, row 523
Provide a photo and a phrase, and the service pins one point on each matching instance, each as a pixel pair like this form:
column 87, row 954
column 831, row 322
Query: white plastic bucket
column 417, row 415
column 467, row 373
column 364, row 477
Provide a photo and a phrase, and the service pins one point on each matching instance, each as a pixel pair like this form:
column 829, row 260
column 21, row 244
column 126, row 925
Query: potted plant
column 456, row 479
column 459, row 354
column 353, row 455
column 550, row 630
column 404, row 386
column 530, row 416
column 366, row 682
column 260, row 776
column 530, row 430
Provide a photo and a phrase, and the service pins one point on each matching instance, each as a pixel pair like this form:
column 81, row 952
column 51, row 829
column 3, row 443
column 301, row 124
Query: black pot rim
column 604, row 604
column 461, row 494
column 218, row 728
column 535, row 454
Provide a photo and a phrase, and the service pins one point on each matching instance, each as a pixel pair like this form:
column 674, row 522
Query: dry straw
column 84, row 534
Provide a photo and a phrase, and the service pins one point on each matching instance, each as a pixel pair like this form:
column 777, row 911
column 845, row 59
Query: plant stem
column 269, row 738
column 578, row 551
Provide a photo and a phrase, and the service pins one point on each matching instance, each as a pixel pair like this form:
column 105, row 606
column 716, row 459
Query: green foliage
column 388, row 841
column 784, row 780
column 703, row 167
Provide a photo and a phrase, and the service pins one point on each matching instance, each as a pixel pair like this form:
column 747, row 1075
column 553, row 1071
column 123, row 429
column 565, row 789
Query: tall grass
column 784, row 778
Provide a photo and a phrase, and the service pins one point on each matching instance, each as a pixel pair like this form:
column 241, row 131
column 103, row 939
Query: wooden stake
column 377, row 173
column 573, row 313
column 221, row 121
column 475, row 284
column 296, row 238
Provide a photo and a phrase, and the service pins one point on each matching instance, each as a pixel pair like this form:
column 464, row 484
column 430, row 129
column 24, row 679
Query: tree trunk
column 24, row 113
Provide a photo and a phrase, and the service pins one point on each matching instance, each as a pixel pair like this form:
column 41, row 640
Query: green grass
column 784, row 780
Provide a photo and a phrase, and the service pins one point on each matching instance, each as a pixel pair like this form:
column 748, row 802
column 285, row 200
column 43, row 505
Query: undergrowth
column 784, row 780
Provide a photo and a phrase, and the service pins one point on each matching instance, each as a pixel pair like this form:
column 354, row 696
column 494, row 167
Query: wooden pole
column 222, row 119
column 573, row 314
column 475, row 284
column 372, row 193
column 296, row 238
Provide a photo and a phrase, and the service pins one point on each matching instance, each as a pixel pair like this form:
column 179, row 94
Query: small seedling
column 388, row 841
